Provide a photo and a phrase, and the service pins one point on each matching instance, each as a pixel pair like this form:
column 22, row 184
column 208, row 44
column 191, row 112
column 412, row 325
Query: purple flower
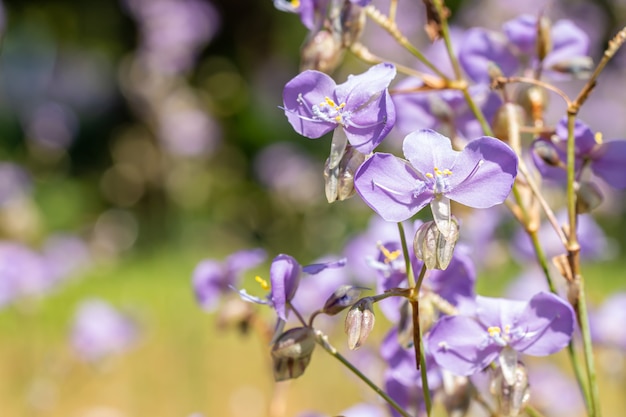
column 362, row 106
column 285, row 273
column 481, row 47
column 607, row 159
column 465, row 345
column 212, row 278
column 607, row 322
column 480, row 176
column 100, row 330
column 310, row 11
column 23, row 273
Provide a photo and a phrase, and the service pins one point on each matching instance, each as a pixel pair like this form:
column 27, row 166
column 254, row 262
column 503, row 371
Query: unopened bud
column 546, row 151
column 579, row 67
column 342, row 298
column 359, row 322
column 432, row 247
column 405, row 325
column 321, row 51
column 494, row 71
column 534, row 100
column 457, row 394
column 588, row 197
column 544, row 39
column 339, row 181
column 512, row 395
column 352, row 23
column 235, row 312
column 507, row 124
column 291, row 353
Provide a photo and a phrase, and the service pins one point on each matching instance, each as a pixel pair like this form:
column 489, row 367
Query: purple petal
column 243, row 260
column 455, row 283
column 284, row 277
column 319, row 267
column 584, row 137
column 568, row 41
column 522, row 32
column 479, row 48
column 427, row 150
column 483, row 174
column 391, row 187
column 458, row 344
column 548, row 323
column 498, row 312
column 609, row 163
column 359, row 90
column 312, row 87
column 209, row 283
column 368, row 126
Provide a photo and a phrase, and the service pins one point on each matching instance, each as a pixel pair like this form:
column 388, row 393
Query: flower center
column 329, row 111
column 389, row 256
column 295, row 3
column 439, row 180
column 500, row 336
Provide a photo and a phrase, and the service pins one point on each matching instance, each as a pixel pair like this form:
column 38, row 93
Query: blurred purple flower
column 357, row 410
column 362, row 106
column 23, row 273
column 607, row 322
column 65, row 255
column 480, row 176
column 465, row 345
column 311, row 12
column 548, row 382
column 212, row 278
column 481, row 47
column 607, row 159
column 100, row 330
column 289, row 172
column 173, row 32
column 14, row 182
column 285, row 274
column 52, row 125
column 594, row 244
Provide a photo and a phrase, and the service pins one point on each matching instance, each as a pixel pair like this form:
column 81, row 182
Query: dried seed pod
column 342, row 298
column 339, row 181
column 513, row 391
column 457, row 394
column 432, row 247
column 351, row 23
column 507, row 124
column 579, row 67
column 291, row 353
column 544, row 38
column 359, row 322
column 588, row 197
column 321, row 51
column 545, row 151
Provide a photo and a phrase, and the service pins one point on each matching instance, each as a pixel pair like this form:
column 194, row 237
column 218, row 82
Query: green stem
column 532, row 411
column 407, row 258
column 445, row 33
column 322, row 340
column 583, row 321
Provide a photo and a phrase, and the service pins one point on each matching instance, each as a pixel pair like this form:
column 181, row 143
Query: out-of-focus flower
column 285, row 274
column 100, row 330
column 212, row 278
column 52, row 126
column 23, row 273
column 547, row 382
column 173, row 32
column 480, row 176
column 311, row 12
column 14, row 182
column 65, row 255
column 362, row 106
column 607, row 159
column 607, row 322
column 465, row 345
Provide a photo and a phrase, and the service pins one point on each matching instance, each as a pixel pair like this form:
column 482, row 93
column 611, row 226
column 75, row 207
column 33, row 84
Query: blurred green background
column 143, row 130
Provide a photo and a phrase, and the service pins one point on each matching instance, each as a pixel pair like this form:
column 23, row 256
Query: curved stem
column 407, row 258
column 322, row 340
column 390, row 26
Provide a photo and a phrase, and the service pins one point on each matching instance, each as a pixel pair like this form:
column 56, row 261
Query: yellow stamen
column 338, row 118
column 330, row 102
column 447, row 172
column 598, row 138
column 389, row 256
column 295, row 3
column 264, row 284
column 494, row 331
column 429, row 175
column 507, row 328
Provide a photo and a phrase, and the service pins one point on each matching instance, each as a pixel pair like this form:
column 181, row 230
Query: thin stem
column 445, row 33
column 539, row 83
column 407, row 258
column 423, row 371
column 391, row 27
column 583, row 321
column 532, row 411
column 322, row 340
column 478, row 113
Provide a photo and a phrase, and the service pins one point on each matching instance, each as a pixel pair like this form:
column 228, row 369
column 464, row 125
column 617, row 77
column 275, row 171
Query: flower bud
column 545, row 151
column 544, row 39
column 340, row 180
column 321, row 51
column 512, row 395
column 431, row 246
column 235, row 312
column 291, row 353
column 342, row 298
column 457, row 394
column 506, row 126
column 579, row 67
column 588, row 197
column 352, row 23
column 359, row 322
column 534, row 100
